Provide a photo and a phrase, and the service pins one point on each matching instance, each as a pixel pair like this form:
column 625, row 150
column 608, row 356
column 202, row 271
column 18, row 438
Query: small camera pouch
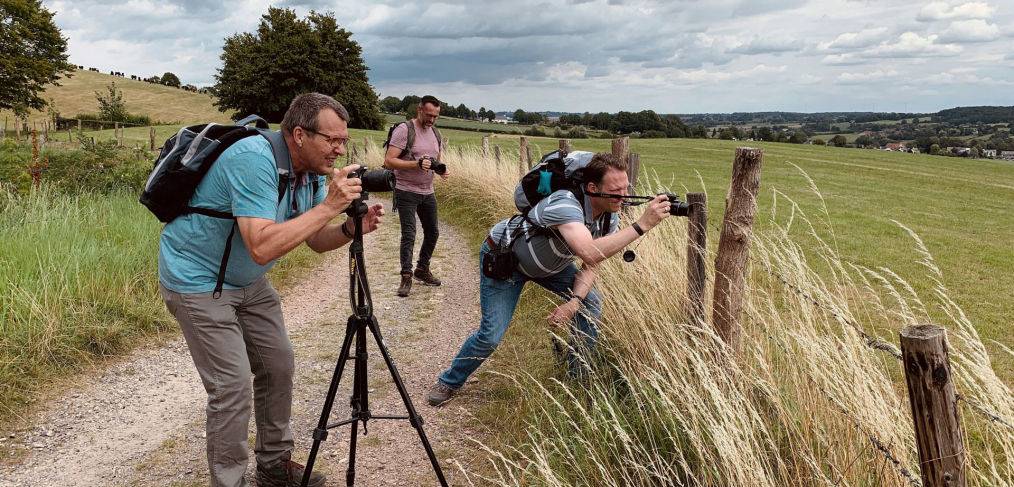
column 500, row 262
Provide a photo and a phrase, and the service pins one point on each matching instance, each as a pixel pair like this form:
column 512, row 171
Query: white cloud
column 942, row 11
column 774, row 44
column 847, row 59
column 852, row 40
column 863, row 78
column 913, row 45
column 970, row 31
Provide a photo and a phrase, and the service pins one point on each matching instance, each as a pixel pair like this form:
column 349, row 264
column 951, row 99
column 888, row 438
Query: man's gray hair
column 304, row 111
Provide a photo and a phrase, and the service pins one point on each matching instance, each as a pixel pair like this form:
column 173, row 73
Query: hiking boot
column 406, row 285
column 440, row 394
column 426, row 277
column 286, row 473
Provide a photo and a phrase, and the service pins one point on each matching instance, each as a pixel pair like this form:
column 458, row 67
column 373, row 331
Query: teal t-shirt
column 244, row 182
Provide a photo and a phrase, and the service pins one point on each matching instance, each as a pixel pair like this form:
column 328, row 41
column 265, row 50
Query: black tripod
column 361, row 319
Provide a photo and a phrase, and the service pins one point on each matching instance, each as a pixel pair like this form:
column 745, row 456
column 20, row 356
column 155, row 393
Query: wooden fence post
column 137, row 151
column 79, row 125
column 496, row 151
column 17, row 130
column 443, row 144
column 697, row 250
column 620, row 147
column 528, row 156
column 70, row 135
column 366, row 146
column 151, row 137
column 934, row 406
column 485, row 149
column 565, row 146
column 45, row 131
column 522, row 163
column 734, row 246
column 633, row 169
column 116, row 132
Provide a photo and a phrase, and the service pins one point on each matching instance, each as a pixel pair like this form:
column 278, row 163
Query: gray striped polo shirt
column 547, row 254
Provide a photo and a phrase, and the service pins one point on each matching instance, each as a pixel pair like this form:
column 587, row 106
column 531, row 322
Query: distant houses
column 501, row 119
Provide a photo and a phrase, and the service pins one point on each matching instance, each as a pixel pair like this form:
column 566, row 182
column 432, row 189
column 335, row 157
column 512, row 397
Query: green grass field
column 960, row 208
column 76, row 95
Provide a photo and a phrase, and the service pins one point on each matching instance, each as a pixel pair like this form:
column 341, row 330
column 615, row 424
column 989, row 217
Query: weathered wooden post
column 934, row 406
column 522, row 163
column 151, row 139
column 70, row 135
column 496, row 151
column 366, row 146
column 79, row 125
column 528, row 156
column 45, row 131
column 116, row 132
column 734, row 246
column 137, row 151
column 633, row 169
column 17, row 130
column 485, row 149
column 697, row 250
column 565, row 146
column 621, row 147
column 443, row 144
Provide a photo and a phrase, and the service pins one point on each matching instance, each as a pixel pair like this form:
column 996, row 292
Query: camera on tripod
column 376, row 181
column 437, row 166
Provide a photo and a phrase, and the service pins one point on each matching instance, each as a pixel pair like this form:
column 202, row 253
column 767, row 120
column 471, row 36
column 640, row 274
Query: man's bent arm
column 593, row 251
column 391, row 160
column 330, row 237
column 267, row 240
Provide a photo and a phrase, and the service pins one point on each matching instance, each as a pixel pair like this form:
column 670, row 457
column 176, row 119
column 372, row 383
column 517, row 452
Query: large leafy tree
column 264, row 71
column 34, row 55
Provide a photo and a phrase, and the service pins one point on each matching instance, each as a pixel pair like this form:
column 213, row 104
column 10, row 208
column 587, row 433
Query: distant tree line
column 409, row 105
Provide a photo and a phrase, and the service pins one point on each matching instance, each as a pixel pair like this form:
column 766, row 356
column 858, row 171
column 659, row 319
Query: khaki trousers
column 239, row 334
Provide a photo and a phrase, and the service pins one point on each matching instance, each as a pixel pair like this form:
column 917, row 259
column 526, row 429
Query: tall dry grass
column 808, row 402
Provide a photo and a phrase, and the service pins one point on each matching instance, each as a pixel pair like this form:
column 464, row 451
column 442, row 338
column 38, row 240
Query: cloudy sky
column 680, row 56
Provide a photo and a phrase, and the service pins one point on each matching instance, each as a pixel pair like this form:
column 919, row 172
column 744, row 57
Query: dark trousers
column 408, row 205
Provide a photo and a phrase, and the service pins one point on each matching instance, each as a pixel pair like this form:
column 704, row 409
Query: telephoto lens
column 377, row 181
column 438, row 167
column 677, row 207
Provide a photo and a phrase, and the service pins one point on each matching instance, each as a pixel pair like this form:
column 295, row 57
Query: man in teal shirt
column 242, row 332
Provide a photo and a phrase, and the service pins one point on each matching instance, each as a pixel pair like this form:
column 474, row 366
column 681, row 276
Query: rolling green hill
column 76, row 95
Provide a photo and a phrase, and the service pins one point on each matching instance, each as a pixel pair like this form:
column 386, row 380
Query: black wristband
column 345, row 230
column 637, row 228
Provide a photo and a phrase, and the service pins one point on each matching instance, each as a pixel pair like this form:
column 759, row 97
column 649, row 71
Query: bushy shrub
column 653, row 134
column 577, row 132
column 96, row 168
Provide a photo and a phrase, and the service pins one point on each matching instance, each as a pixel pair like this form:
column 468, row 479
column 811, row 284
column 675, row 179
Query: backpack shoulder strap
column 283, row 160
column 411, row 139
column 440, row 141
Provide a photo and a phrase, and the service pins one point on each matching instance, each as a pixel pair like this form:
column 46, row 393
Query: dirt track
column 141, row 422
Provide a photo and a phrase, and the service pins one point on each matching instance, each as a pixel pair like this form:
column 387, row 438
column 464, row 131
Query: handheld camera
column 437, row 166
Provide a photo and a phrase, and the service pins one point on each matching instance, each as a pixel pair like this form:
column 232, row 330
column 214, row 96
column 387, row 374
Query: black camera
column 377, row 181
column 677, row 207
column 437, row 166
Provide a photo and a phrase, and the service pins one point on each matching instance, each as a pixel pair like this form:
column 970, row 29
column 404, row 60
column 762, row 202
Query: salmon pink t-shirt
column 415, row 180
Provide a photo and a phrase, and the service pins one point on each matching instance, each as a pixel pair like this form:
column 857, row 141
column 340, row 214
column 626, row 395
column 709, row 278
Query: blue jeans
column 498, row 298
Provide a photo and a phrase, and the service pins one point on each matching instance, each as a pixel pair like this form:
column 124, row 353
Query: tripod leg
column 359, row 401
column 413, row 417
column 320, row 434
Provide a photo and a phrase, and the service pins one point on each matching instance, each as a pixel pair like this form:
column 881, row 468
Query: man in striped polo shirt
column 559, row 228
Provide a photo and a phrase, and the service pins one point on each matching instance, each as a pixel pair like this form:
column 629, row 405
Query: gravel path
column 141, row 422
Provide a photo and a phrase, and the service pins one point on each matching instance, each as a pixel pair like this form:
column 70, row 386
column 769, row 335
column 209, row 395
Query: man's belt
column 490, row 242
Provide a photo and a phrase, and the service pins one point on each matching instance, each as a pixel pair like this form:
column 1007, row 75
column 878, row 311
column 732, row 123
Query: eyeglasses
column 334, row 140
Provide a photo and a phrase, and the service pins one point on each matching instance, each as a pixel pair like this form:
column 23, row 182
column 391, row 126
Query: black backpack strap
column 440, row 141
column 225, row 262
